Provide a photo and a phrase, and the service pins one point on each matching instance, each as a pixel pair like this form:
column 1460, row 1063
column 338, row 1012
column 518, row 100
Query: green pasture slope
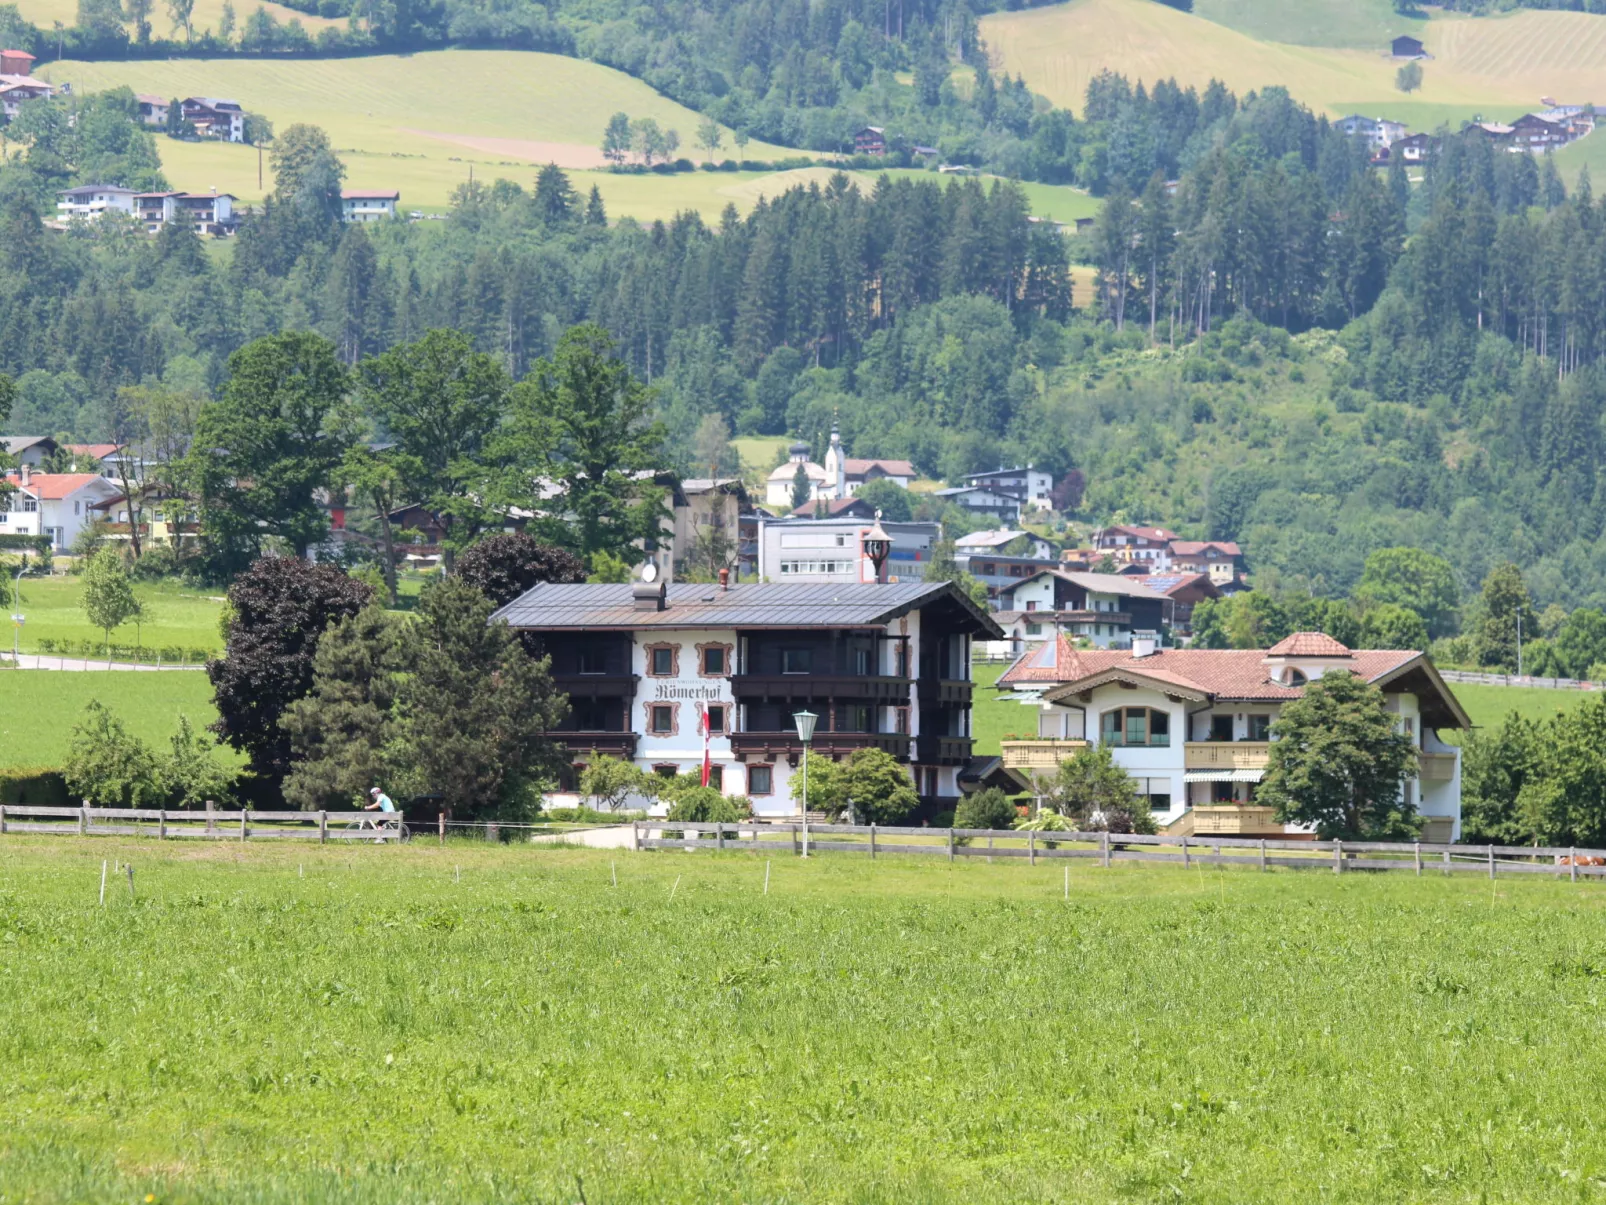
column 175, row 615
column 40, row 708
column 379, row 1031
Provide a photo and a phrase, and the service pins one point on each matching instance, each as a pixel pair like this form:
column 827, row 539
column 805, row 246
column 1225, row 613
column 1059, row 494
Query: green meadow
column 475, row 1023
column 174, row 615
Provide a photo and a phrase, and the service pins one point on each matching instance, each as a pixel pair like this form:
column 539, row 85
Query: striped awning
column 1223, row 776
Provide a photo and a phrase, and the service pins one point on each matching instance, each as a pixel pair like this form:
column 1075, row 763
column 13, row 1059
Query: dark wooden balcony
column 765, row 745
column 856, row 688
column 597, row 686
column 944, row 750
column 944, row 692
column 613, row 744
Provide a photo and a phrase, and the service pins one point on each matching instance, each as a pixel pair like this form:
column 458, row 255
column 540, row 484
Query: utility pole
column 1519, row 642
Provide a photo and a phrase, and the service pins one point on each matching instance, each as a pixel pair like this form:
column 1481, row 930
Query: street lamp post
column 805, row 721
column 877, row 546
column 17, row 617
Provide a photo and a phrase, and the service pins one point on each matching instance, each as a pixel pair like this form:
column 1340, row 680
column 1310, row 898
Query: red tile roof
column 56, row 486
column 98, row 451
column 1195, row 547
column 1308, row 644
column 1146, row 533
column 1225, row 673
column 892, row 468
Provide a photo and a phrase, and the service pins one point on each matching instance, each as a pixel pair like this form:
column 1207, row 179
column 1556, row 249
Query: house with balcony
column 1032, row 487
column 883, row 666
column 368, row 204
column 94, row 200
column 1127, row 545
column 1221, row 560
column 1192, row 727
column 213, row 117
column 1105, row 609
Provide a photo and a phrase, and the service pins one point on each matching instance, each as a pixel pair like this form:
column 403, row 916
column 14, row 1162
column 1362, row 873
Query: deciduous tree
column 108, row 597
column 504, row 566
column 1337, row 762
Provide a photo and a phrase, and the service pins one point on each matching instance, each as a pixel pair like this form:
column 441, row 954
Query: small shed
column 1408, row 48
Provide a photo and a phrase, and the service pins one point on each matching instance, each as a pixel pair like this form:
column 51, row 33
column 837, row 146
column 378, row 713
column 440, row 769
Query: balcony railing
column 867, row 687
column 944, row 750
column 945, row 692
column 1040, row 754
column 825, row 744
column 597, row 686
column 1227, row 755
column 613, row 744
column 1436, row 767
column 1232, row 820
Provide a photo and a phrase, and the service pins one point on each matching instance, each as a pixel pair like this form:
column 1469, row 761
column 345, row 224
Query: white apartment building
column 56, row 505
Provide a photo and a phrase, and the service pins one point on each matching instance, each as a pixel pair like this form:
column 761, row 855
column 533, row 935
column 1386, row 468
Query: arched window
column 1136, row 727
column 1294, row 677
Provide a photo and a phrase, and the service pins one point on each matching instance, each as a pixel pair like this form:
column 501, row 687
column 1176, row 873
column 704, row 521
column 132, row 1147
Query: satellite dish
column 649, row 572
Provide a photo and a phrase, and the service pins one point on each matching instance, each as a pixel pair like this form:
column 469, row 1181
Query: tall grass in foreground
column 380, row 1030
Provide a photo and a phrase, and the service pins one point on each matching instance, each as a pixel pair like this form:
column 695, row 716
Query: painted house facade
column 1192, row 727
column 55, row 505
column 93, row 200
column 368, row 204
column 882, row 666
column 214, row 117
column 1106, row 609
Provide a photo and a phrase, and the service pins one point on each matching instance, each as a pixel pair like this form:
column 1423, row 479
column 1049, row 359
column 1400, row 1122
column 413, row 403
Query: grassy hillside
column 1354, row 24
column 507, row 112
column 1482, row 64
column 39, row 708
column 208, row 14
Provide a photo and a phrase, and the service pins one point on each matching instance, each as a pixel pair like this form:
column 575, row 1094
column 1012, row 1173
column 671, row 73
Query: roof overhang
column 1440, row 708
column 1073, row 693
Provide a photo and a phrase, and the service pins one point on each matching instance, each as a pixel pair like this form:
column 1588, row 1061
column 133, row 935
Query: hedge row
column 94, row 650
column 36, row 785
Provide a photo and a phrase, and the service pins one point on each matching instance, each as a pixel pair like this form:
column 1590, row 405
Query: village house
column 1127, row 544
column 1192, row 727
column 1033, row 488
column 1182, row 592
column 1221, row 560
column 999, row 570
column 882, row 667
column 1378, row 133
column 93, row 200
column 998, row 505
column 368, row 204
column 161, row 516
column 212, row 117
column 1533, row 133
column 152, row 108
column 17, row 84
column 55, row 505
column 1415, row 148
column 1105, row 609
column 30, row 450
column 871, row 140
column 1019, row 543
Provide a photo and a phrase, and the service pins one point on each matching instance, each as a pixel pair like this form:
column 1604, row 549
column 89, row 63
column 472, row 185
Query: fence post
column 243, row 814
column 805, row 835
column 323, row 828
column 1186, row 861
column 1104, row 850
column 1491, row 861
column 872, row 842
column 161, row 825
column 1446, row 862
column 1031, row 847
column 1417, row 848
column 635, row 836
column 1263, row 853
column 1338, row 857
column 1572, row 859
column 796, row 849
column 950, row 845
column 211, row 817
column 440, row 822
column 719, row 837
column 83, row 820
column 2, row 819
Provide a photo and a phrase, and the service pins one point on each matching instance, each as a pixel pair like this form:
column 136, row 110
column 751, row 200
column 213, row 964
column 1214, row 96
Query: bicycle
column 388, row 826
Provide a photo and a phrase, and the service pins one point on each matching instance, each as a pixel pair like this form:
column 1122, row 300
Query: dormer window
column 1294, row 677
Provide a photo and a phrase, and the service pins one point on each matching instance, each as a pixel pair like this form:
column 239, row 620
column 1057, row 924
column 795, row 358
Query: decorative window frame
column 725, row 725
column 702, row 649
column 761, row 766
column 674, row 661
column 674, row 718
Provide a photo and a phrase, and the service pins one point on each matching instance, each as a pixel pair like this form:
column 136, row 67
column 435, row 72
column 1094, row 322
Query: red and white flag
column 702, row 727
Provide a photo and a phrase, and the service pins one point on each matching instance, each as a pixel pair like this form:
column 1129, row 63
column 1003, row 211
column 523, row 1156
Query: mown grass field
column 207, row 14
column 380, row 1030
column 1488, row 65
column 175, row 615
column 40, row 708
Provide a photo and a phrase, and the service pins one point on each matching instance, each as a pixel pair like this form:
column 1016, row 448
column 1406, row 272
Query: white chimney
column 1145, row 646
column 26, row 473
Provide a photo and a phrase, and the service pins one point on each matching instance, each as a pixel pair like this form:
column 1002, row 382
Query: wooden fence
column 163, row 823
column 804, row 837
column 1481, row 679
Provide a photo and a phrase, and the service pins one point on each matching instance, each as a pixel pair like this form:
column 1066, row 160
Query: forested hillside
column 1291, row 350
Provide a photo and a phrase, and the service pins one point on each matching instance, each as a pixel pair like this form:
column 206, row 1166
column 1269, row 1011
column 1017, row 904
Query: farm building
column 1408, row 48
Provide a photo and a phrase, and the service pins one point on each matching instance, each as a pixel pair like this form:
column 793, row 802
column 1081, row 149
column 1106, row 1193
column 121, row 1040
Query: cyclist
column 381, row 803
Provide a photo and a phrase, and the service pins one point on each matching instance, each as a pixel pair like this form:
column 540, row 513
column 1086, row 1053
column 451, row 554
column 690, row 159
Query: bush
column 585, row 815
column 985, row 809
column 37, row 785
column 705, row 805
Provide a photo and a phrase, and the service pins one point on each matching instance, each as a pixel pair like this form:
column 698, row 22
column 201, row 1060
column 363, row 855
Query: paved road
column 615, row 836
column 36, row 661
